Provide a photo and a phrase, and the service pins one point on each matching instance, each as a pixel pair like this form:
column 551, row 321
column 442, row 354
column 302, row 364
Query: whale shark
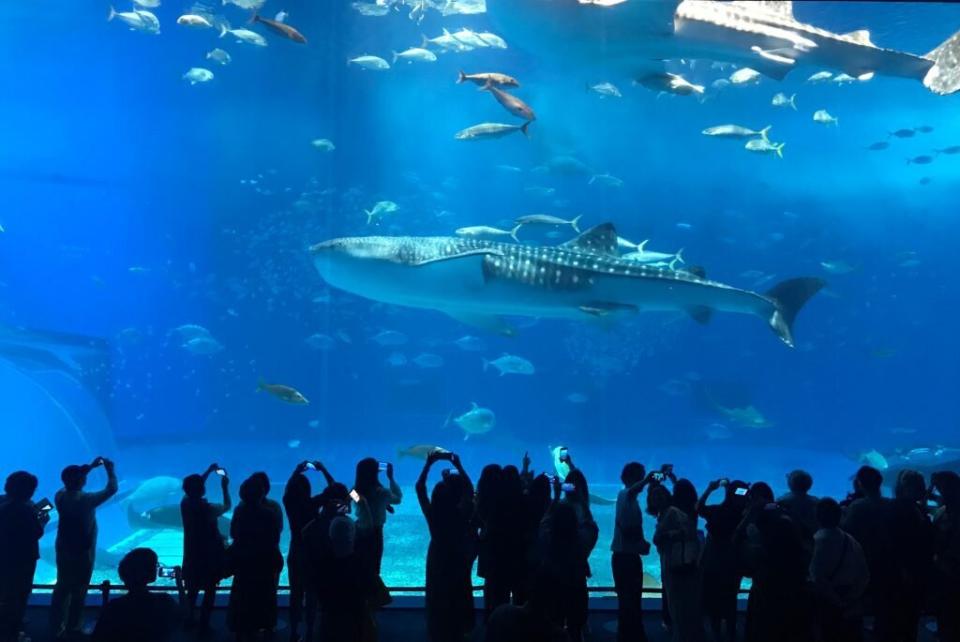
column 635, row 37
column 479, row 282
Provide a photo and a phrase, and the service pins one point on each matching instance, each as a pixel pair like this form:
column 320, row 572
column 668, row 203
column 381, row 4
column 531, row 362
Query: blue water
column 136, row 203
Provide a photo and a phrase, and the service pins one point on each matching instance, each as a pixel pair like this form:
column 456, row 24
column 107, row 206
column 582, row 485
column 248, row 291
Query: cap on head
column 74, row 477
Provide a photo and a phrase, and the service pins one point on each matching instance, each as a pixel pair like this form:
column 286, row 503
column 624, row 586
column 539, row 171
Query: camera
column 169, row 572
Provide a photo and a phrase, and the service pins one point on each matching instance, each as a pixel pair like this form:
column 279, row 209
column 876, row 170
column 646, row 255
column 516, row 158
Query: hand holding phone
column 658, row 476
column 309, row 465
column 221, row 471
column 43, row 506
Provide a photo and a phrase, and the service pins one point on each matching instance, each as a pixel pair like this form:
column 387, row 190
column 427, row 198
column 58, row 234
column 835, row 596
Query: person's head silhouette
column 251, row 491
column 367, row 479
column 194, row 487
column 799, row 482
column 20, row 486
column 868, row 480
column 74, row 477
column 829, row 513
column 138, row 568
column 633, row 473
column 263, row 480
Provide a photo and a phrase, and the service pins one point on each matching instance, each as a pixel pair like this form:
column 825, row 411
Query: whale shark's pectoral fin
column 608, row 309
column 465, row 268
column 490, row 323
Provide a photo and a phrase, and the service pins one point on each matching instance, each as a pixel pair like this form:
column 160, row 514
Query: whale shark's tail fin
column 788, row 297
column 944, row 76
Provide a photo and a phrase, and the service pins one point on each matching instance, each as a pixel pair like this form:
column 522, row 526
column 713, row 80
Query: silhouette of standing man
column 76, row 543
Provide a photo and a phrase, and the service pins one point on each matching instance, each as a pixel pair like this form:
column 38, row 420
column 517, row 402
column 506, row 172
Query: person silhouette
column 372, row 516
column 203, row 544
column 946, row 524
column 301, row 508
column 452, row 550
column 141, row 614
column 718, row 563
column 21, row 526
column 868, row 518
column 317, row 550
column 840, row 577
column 780, row 603
column 678, row 544
column 256, row 561
column 569, row 536
column 348, row 587
column 800, row 505
column 76, row 543
column 628, row 545
column 912, row 540
column 534, row 621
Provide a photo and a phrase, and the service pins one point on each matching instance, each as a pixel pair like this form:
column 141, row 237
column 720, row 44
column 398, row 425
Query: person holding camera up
column 76, row 543
column 203, row 544
column 453, row 548
column 21, row 527
column 629, row 543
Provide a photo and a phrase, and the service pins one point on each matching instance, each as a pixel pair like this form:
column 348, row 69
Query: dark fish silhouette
column 281, row 28
column 878, row 146
column 903, row 133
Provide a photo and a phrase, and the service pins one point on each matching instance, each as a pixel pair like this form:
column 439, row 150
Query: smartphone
column 567, row 488
column 355, row 496
column 166, row 571
column 564, row 454
column 221, row 471
column 43, row 506
column 311, row 466
column 740, row 492
column 383, row 466
column 446, row 454
column 659, row 477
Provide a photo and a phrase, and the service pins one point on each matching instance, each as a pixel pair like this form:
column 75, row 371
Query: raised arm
column 421, row 485
column 396, row 495
column 323, row 471
column 712, row 486
column 221, row 509
column 110, row 489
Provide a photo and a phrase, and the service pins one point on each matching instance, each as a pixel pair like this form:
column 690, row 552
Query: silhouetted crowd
column 817, row 567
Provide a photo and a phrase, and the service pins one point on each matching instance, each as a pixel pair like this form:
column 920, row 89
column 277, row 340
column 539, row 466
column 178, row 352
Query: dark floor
column 395, row 625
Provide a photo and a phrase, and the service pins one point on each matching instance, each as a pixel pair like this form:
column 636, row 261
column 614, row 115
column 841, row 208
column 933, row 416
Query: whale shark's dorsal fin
column 782, row 8
column 601, row 239
column 860, row 36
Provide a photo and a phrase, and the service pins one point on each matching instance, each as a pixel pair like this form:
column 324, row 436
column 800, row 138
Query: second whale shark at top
column 636, row 36
column 478, row 281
